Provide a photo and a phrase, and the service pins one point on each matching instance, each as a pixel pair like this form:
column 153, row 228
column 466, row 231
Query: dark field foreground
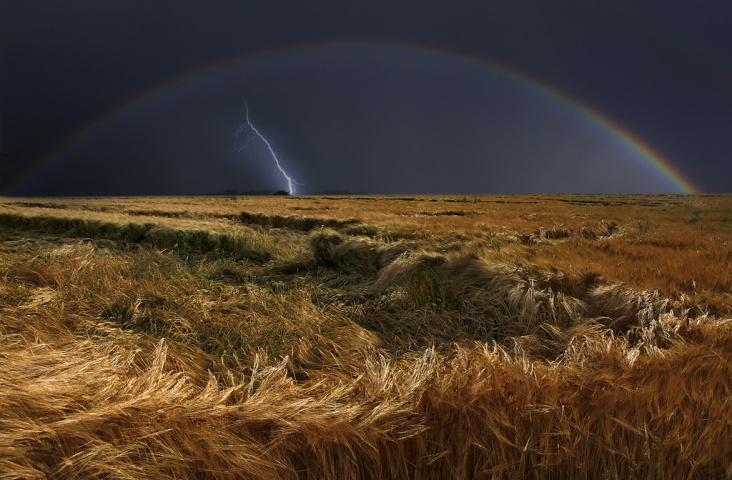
column 366, row 337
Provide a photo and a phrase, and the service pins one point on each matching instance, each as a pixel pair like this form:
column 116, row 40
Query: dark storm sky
column 375, row 96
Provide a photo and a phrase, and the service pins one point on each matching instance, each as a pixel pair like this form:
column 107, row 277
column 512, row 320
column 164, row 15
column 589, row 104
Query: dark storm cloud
column 659, row 70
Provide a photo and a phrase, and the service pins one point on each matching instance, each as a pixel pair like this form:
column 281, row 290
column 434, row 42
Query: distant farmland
column 558, row 336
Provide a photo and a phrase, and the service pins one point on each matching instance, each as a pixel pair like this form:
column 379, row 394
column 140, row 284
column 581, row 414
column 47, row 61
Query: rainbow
column 186, row 80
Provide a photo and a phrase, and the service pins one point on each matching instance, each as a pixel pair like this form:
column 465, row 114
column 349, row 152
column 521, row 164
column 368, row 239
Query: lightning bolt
column 249, row 127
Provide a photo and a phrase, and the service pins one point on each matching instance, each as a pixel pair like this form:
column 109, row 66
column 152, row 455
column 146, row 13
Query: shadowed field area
column 571, row 336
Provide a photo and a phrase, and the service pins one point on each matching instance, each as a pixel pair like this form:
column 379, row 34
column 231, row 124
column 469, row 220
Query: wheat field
column 360, row 337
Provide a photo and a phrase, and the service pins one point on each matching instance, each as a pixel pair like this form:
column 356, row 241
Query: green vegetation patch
column 200, row 241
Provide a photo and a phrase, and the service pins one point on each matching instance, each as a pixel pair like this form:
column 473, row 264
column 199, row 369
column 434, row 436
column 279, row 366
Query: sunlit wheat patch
column 205, row 346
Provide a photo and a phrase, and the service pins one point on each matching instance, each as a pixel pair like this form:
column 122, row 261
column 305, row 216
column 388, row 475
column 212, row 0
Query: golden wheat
column 425, row 337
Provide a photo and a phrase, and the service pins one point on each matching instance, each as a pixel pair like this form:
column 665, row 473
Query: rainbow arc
column 661, row 164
